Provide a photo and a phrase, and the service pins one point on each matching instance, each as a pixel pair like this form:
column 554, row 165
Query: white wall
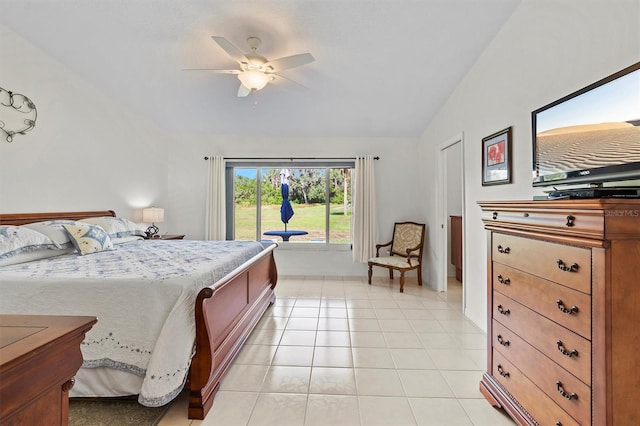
column 547, row 49
column 91, row 152
column 87, row 152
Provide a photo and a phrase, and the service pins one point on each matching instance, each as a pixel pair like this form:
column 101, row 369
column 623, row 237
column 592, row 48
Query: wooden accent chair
column 405, row 253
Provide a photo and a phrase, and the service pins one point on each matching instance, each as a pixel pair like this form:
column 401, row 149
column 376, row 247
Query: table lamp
column 153, row 215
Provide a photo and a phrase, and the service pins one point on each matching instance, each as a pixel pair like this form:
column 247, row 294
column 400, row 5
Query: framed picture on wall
column 496, row 158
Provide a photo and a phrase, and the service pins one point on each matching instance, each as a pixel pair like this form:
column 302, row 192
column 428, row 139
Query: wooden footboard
column 226, row 313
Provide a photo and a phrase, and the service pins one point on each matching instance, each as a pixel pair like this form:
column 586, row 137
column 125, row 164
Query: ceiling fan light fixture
column 253, row 79
column 256, row 71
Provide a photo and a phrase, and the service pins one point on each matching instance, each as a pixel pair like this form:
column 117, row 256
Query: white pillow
column 88, row 238
column 54, row 230
column 18, row 244
column 116, row 227
column 16, row 239
column 122, row 240
column 28, row 256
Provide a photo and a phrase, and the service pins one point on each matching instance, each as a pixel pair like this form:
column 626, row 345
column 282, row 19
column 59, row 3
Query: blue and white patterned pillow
column 16, row 239
column 116, row 227
column 88, row 238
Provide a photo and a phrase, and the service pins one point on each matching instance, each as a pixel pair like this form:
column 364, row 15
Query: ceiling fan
column 256, row 71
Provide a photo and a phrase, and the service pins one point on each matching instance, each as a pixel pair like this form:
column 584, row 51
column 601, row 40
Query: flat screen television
column 591, row 136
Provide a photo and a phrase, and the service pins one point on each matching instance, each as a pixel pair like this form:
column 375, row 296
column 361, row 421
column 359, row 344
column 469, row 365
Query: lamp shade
column 252, row 79
column 152, row 215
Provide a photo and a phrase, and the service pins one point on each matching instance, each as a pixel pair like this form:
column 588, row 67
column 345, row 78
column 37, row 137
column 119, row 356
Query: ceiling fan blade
column 289, row 62
column 243, row 91
column 214, row 70
column 231, row 50
column 290, row 84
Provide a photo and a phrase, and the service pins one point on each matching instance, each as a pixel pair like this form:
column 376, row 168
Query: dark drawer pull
column 503, row 311
column 564, row 393
column 563, row 267
column 502, row 341
column 495, row 215
column 564, row 351
column 572, row 311
column 570, row 220
column 504, row 250
column 502, row 280
column 502, row 372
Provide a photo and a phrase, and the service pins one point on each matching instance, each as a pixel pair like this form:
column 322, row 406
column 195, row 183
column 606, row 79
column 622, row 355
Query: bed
column 196, row 316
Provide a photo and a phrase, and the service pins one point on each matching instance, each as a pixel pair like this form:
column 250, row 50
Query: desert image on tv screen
column 598, row 128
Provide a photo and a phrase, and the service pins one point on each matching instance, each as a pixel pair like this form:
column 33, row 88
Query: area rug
column 113, row 412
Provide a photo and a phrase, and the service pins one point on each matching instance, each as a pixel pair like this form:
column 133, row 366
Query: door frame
column 441, row 154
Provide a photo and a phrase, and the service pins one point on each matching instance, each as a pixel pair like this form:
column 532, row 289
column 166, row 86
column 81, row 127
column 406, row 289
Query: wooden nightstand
column 39, row 355
column 170, row 237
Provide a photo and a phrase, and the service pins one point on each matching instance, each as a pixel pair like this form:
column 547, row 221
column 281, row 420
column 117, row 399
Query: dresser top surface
column 20, row 334
column 587, row 203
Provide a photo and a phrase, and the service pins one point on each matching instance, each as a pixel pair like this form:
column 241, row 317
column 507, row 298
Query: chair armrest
column 379, row 246
column 409, row 256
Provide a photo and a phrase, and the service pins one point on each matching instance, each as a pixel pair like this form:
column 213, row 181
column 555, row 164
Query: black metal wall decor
column 17, row 114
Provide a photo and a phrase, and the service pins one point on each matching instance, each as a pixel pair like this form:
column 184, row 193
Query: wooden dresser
column 39, row 355
column 456, row 245
column 563, row 304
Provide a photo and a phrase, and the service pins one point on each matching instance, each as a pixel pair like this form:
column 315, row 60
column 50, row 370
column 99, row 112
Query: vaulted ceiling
column 382, row 67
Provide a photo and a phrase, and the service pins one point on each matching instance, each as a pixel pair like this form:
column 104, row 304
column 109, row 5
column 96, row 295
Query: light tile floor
column 337, row 351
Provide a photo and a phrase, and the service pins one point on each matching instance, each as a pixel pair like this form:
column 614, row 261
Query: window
column 319, row 193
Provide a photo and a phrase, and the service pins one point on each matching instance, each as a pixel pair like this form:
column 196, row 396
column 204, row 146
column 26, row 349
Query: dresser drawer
column 563, row 221
column 543, row 409
column 563, row 264
column 565, row 348
column 567, row 307
column 571, row 394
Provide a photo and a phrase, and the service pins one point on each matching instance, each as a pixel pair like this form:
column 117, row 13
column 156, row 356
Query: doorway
column 451, row 204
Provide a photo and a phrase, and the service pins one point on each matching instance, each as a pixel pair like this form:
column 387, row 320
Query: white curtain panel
column 215, row 218
column 364, row 210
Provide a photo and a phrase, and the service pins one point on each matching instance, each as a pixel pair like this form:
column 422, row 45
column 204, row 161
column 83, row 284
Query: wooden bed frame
column 225, row 313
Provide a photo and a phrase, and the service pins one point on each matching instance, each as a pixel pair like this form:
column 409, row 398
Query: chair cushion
column 394, row 261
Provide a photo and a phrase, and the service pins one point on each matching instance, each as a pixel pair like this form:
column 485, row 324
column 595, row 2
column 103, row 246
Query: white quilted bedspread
column 143, row 294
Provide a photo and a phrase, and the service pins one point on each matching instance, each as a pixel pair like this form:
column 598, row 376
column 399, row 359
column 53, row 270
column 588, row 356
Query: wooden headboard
column 22, row 218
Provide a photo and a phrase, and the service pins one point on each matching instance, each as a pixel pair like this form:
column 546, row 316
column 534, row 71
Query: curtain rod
column 290, row 159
